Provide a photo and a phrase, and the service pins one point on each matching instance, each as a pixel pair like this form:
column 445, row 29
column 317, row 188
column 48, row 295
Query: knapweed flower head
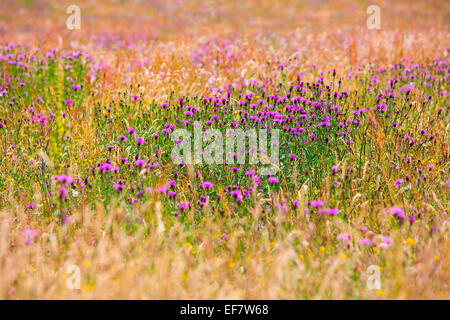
column 140, row 163
column 272, row 180
column 118, row 187
column 29, row 235
column 316, row 203
column 398, row 212
column 332, row 211
column 207, row 184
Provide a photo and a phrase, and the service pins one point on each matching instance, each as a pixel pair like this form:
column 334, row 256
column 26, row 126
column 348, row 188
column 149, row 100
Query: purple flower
column 123, row 138
column 343, row 236
column 63, row 193
column 131, row 131
column 316, row 203
column 118, row 187
column 332, row 211
column 140, row 163
column 64, row 179
column 29, row 235
column 396, row 211
column 171, row 194
column 365, row 241
column 140, row 140
column 207, row 184
column 272, row 180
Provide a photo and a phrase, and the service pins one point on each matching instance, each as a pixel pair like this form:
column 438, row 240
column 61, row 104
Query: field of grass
column 87, row 180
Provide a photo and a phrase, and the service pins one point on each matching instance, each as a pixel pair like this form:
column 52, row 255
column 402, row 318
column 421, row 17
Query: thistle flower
column 316, row 203
column 396, row 211
column 118, row 187
column 332, row 211
column 207, row 184
column 272, row 180
column 140, row 163
column 29, row 235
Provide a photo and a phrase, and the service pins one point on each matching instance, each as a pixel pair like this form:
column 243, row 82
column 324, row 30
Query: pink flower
column 29, row 235
column 207, row 184
column 272, row 180
column 365, row 241
column 140, row 163
column 344, row 237
column 396, row 211
column 332, row 211
column 316, row 203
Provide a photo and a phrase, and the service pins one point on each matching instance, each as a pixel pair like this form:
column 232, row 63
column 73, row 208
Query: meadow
column 89, row 187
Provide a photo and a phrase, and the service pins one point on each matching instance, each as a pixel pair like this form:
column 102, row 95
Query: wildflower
column 118, row 187
column 140, row 140
column 207, row 184
column 410, row 241
column 386, row 239
column 365, row 241
column 29, row 235
column 343, row 237
column 31, row 206
column 396, row 211
column 63, row 193
column 131, row 131
column 140, row 163
column 316, row 203
column 332, row 211
column 398, row 182
column 123, row 138
column 64, row 179
column 272, row 180
column 172, row 194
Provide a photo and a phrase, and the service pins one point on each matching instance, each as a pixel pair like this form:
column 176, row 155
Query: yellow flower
column 188, row 245
column 380, row 292
column 410, row 241
column 344, row 256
